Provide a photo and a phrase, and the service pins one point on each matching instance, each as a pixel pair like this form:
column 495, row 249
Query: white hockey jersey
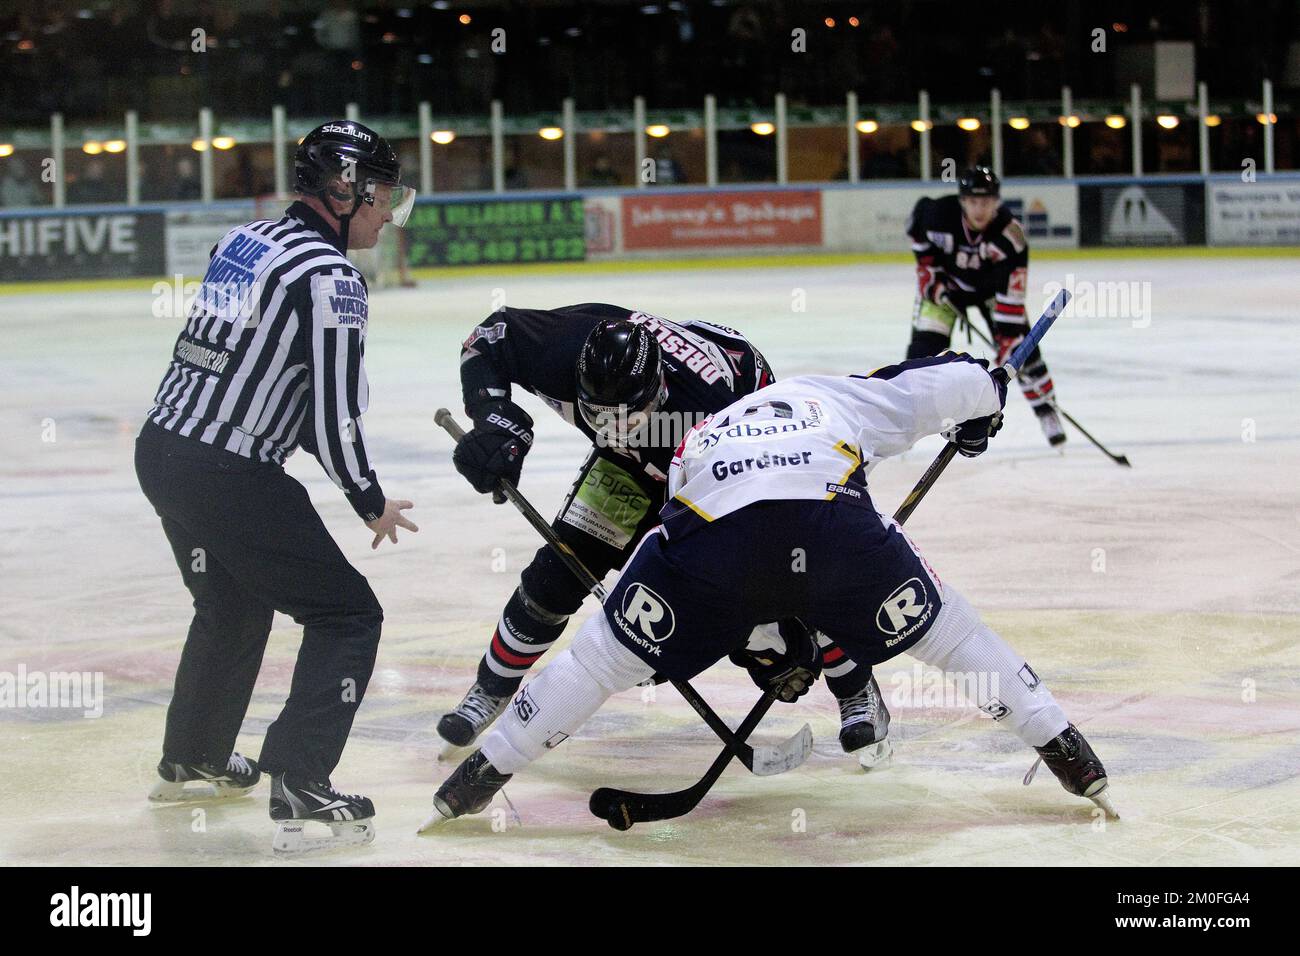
column 818, row 436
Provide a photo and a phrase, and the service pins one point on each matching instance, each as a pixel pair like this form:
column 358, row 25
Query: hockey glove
column 495, row 447
column 972, row 437
column 782, row 658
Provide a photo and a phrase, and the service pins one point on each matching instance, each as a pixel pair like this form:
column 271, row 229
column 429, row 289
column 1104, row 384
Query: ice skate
column 864, row 726
column 296, row 802
column 1051, row 424
column 208, row 781
column 1073, row 762
column 461, row 726
column 469, row 789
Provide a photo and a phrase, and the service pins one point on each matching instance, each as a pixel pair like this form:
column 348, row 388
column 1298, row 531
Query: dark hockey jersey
column 706, row 368
column 970, row 267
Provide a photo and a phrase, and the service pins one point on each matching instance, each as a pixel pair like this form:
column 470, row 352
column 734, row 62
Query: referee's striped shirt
column 271, row 356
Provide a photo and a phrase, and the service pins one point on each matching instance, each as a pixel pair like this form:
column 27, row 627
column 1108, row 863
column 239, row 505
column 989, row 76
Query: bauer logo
column 646, row 611
column 1029, row 677
column 906, row 610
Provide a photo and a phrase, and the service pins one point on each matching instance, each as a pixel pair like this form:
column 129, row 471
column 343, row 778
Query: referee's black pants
column 248, row 542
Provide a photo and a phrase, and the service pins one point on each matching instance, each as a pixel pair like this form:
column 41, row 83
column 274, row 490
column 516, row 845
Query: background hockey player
column 970, row 251
column 780, row 470
column 634, row 384
column 272, row 357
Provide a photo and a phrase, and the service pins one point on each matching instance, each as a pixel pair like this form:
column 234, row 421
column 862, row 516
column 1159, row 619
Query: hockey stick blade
column 623, row 808
column 785, row 756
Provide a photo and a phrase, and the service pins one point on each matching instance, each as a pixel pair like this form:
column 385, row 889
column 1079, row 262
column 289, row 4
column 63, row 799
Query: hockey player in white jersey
column 769, row 518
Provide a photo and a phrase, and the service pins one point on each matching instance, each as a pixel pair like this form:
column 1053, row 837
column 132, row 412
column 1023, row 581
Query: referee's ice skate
column 209, row 781
column 297, row 803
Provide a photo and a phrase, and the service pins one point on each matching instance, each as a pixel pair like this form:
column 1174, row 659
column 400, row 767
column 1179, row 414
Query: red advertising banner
column 740, row 218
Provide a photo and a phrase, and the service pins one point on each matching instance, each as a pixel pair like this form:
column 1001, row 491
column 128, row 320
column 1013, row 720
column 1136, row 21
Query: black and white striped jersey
column 271, row 356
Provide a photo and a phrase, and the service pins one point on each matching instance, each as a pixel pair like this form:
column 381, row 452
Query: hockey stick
column 762, row 761
column 1117, row 459
column 622, row 808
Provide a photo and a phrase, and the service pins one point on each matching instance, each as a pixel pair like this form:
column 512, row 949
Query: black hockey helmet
column 620, row 373
column 978, row 181
column 343, row 148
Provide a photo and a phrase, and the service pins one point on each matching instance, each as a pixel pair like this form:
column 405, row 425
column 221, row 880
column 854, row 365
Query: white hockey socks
column 560, row 699
column 962, row 645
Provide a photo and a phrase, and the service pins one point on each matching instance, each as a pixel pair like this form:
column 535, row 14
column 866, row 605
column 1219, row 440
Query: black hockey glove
column 782, row 658
column 495, row 447
column 972, row 437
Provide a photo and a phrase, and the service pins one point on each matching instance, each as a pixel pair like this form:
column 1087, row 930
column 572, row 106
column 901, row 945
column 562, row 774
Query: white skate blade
column 292, row 837
column 770, row 761
column 165, row 791
column 434, row 820
column 1102, row 799
column 875, row 756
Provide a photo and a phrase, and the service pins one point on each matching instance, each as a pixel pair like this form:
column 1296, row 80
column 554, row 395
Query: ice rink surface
column 1161, row 604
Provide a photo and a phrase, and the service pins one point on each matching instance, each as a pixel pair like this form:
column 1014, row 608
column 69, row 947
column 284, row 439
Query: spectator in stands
column 667, row 170
column 92, row 186
column 18, row 187
column 187, row 183
column 602, row 172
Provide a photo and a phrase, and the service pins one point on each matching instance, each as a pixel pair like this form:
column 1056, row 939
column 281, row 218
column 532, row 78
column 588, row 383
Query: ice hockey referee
column 270, row 359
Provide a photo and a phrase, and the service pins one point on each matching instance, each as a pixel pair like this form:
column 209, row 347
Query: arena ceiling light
column 1266, row 119
column 6, row 149
column 223, row 142
column 1213, row 119
column 1115, row 121
column 969, row 123
column 115, row 146
column 657, row 130
column 92, row 148
column 1018, row 122
column 866, row 126
column 922, row 125
column 1071, row 121
column 762, row 129
column 199, row 145
column 442, row 136
column 1167, row 121
column 550, row 132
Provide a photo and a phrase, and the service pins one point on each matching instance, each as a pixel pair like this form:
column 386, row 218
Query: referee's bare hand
column 386, row 525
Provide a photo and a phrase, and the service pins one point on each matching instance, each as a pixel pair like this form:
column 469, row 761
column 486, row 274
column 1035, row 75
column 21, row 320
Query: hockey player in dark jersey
column 970, row 251
column 634, row 384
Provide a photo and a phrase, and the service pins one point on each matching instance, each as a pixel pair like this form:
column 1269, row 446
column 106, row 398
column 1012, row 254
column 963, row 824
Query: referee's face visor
column 394, row 197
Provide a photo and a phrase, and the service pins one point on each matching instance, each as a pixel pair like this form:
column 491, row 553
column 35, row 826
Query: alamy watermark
column 41, row 690
column 1105, row 300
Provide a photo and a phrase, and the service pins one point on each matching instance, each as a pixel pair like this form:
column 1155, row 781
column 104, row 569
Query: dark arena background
column 758, row 165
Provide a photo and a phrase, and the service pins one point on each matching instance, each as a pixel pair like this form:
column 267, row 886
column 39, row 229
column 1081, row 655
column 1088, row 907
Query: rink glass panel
column 605, row 159
column 746, row 157
column 93, row 179
column 464, row 164
column 532, row 162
